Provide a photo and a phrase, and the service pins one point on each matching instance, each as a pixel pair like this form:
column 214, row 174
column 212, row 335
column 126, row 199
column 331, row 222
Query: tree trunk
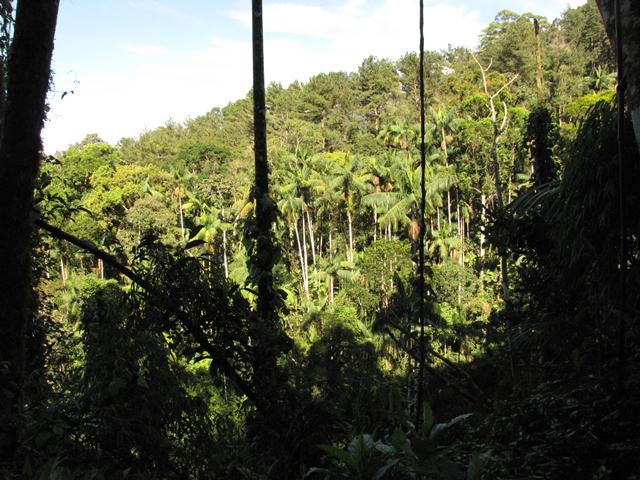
column 305, row 266
column 63, row 274
column 181, row 215
column 483, row 219
column 305, row 282
column 224, row 254
column 630, row 22
column 312, row 240
column 375, row 223
column 268, row 339
column 20, row 146
column 264, row 211
column 350, row 236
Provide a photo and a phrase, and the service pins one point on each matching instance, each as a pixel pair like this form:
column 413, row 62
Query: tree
column 28, row 72
column 630, row 25
column 401, row 206
column 499, row 126
column 351, row 182
column 509, row 42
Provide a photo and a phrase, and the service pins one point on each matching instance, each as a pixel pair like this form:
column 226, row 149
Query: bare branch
column 513, row 79
column 483, row 71
column 504, row 118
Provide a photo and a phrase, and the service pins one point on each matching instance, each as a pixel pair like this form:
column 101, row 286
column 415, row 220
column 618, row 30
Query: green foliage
column 410, row 454
column 183, row 380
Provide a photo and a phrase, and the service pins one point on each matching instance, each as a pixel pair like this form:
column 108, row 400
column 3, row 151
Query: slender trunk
column 331, row 286
column 100, row 269
column 62, row 272
column 305, row 266
column 375, row 223
column 28, row 70
column 181, row 215
column 312, row 240
column 305, row 283
column 494, row 160
column 483, row 219
column 446, row 162
column 350, row 236
column 262, row 259
column 460, row 226
column 224, row 254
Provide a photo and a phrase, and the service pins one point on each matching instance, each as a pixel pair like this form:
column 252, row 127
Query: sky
column 122, row 67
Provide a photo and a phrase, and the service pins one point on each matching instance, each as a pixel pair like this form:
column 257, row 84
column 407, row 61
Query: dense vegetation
column 146, row 357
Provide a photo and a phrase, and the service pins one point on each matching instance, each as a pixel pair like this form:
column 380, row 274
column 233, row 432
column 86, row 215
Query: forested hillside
column 147, row 359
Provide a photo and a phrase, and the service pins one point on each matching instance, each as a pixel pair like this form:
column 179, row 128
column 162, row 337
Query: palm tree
column 212, row 223
column 292, row 207
column 181, row 178
column 445, row 123
column 401, row 206
column 401, row 136
column 298, row 184
column 442, row 242
column 351, row 182
column 381, row 168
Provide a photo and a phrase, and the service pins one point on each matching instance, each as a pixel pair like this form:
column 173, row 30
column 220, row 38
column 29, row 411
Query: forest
column 167, row 314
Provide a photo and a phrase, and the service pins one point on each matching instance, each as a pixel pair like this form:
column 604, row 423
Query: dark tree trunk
column 269, row 340
column 264, row 206
column 630, row 23
column 6, row 11
column 20, row 150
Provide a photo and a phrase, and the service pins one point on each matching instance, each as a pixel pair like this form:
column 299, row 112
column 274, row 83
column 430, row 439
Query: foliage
column 415, row 453
column 152, row 362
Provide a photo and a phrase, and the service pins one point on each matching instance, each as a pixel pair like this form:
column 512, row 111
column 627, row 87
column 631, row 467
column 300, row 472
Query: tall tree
column 630, row 25
column 20, row 146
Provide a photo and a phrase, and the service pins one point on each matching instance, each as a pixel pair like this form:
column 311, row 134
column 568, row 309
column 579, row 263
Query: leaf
column 384, row 448
column 398, row 440
column 441, row 427
column 383, row 470
column 429, row 419
column 313, row 470
column 474, row 469
column 142, row 382
column 336, row 453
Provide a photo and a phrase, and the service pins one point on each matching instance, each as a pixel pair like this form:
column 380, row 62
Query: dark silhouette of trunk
column 269, row 339
column 6, row 12
column 539, row 127
column 630, row 26
column 28, row 72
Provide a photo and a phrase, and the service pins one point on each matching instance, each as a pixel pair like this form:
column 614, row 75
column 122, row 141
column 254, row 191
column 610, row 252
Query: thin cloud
column 383, row 26
column 301, row 40
column 155, row 6
column 147, row 50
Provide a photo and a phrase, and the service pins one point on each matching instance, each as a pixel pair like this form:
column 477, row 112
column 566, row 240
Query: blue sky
column 135, row 64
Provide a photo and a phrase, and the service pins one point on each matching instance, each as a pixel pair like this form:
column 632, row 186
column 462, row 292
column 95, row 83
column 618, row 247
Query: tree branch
column 194, row 329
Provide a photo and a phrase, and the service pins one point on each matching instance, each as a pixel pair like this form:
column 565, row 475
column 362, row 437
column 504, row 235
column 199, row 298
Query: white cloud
column 147, row 50
column 300, row 41
column 551, row 9
column 155, row 7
